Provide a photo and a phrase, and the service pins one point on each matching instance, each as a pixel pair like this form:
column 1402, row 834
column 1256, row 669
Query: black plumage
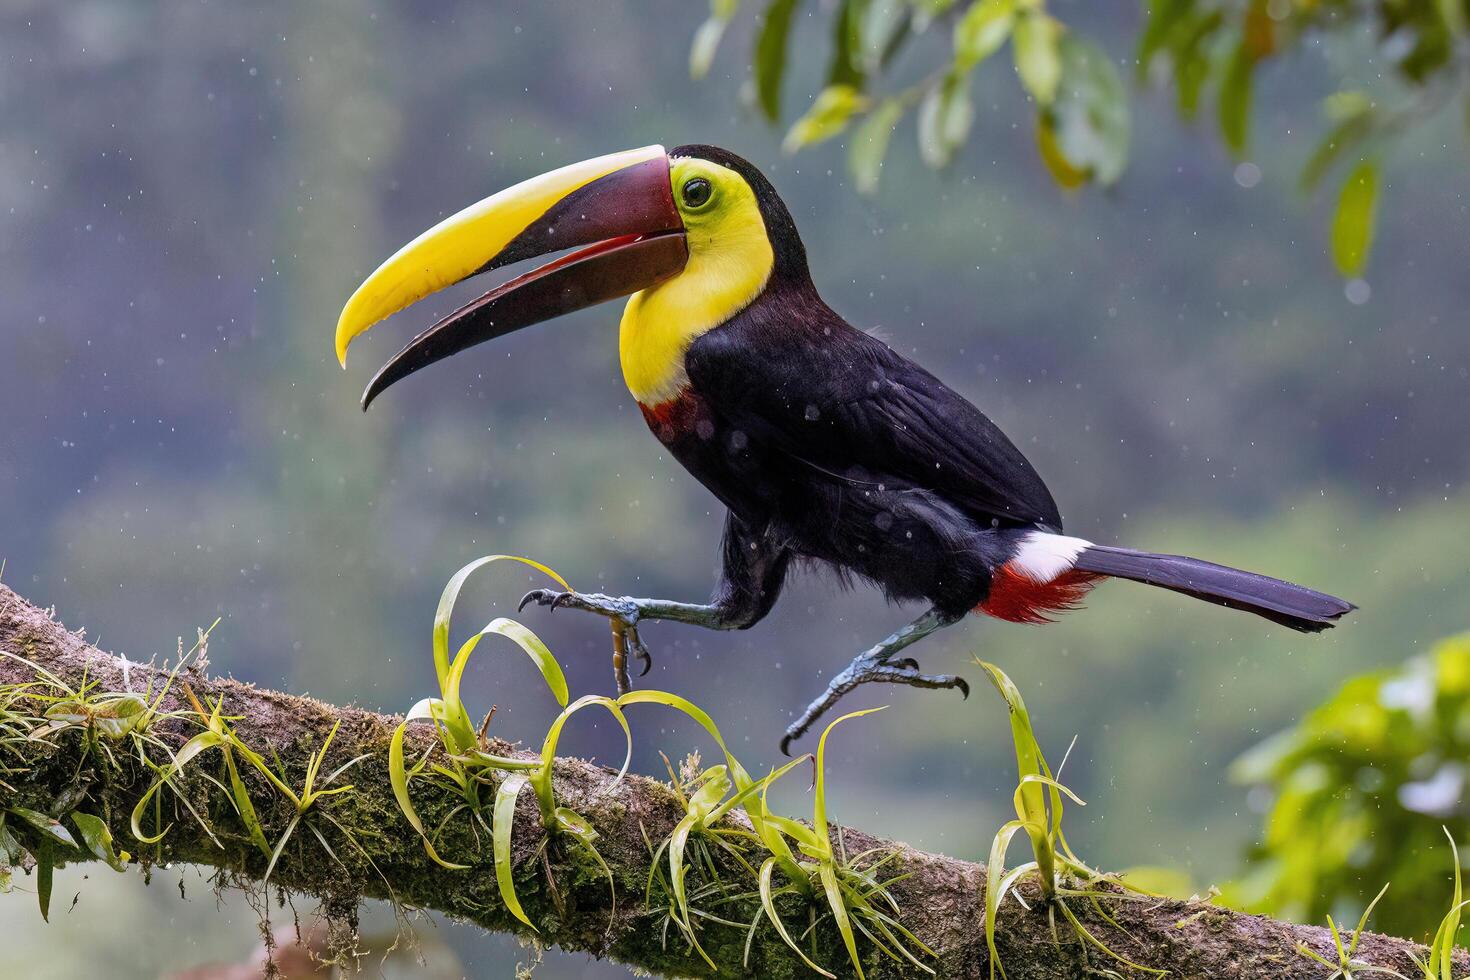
column 827, row 444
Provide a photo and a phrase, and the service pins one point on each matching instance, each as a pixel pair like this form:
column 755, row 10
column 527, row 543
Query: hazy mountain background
column 189, row 191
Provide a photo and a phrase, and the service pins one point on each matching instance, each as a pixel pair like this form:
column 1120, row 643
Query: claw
column 558, row 599
column 786, row 744
column 964, row 686
column 638, row 648
column 533, row 596
column 907, row 663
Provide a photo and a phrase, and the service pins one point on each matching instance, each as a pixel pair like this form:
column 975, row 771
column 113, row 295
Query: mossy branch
column 375, row 854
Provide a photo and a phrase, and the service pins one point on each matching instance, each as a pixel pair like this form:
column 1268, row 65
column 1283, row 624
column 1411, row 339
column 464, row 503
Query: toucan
column 825, row 444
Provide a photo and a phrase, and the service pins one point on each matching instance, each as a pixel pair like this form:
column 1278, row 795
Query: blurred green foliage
column 188, row 191
column 1082, row 122
column 1360, row 790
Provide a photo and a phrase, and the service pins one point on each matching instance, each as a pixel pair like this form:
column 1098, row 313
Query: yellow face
column 730, row 260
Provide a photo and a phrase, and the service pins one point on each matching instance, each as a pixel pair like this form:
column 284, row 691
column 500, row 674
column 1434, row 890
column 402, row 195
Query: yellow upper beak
column 468, row 242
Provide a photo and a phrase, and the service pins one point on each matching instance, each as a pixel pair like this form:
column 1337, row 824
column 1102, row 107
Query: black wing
column 835, row 399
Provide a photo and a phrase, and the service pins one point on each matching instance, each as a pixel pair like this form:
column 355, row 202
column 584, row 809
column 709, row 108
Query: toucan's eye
column 697, row 192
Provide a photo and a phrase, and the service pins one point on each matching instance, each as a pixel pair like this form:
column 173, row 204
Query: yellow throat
column 730, row 261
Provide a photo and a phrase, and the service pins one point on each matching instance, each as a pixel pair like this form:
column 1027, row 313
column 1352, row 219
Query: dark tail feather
column 1281, row 602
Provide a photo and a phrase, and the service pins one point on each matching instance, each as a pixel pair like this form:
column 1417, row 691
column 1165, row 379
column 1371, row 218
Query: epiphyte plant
column 1058, row 872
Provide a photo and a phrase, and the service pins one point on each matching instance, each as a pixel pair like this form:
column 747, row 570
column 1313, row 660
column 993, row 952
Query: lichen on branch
column 98, row 760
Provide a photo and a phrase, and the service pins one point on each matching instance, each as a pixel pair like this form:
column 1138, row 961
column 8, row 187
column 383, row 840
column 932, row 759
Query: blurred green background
column 189, row 191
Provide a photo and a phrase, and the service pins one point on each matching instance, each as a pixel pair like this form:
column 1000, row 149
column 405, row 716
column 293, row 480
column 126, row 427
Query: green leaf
column 504, row 820
column 451, row 594
column 819, row 787
column 199, row 743
column 828, row 873
column 886, row 26
column 44, row 869
column 1352, row 129
column 1061, row 169
column 1340, row 106
column 768, row 905
column 1192, row 60
column 97, row 840
column 541, row 777
column 751, row 792
column 398, row 778
column 770, row 56
column 707, row 37
column 1032, row 793
column 1090, row 118
column 574, row 825
column 11, row 851
column 997, row 882
column 1352, row 224
column 50, row 827
column 456, row 717
column 847, row 67
column 1038, row 60
column 945, row 115
column 1441, row 962
column 1235, row 100
column 1165, row 19
column 827, row 117
column 245, row 806
column 678, row 840
column 1452, row 12
column 114, row 717
column 869, row 145
column 981, row 31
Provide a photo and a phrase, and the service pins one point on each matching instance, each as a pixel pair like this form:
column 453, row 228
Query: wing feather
column 840, row 402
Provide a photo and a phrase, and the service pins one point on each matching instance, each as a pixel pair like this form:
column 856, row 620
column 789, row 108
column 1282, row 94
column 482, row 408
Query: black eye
column 697, row 192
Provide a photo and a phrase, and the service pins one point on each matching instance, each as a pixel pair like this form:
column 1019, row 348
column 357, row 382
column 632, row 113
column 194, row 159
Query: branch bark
column 941, row 897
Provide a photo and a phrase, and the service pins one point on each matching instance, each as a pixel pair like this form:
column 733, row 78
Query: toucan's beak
column 619, row 206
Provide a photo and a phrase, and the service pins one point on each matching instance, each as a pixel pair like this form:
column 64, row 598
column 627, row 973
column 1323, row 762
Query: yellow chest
column 726, row 270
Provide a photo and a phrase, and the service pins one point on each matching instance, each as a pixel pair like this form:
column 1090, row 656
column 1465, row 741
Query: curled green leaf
column 97, row 840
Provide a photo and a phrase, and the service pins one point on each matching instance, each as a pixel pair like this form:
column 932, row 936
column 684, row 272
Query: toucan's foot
column 622, row 613
column 875, row 666
column 864, row 671
column 623, row 607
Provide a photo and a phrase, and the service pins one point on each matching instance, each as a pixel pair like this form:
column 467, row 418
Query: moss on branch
column 367, row 849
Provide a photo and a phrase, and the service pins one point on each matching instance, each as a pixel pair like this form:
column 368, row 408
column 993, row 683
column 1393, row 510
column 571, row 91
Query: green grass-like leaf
column 750, row 792
column 398, row 777
column 1346, row 967
column 505, row 815
column 1038, row 802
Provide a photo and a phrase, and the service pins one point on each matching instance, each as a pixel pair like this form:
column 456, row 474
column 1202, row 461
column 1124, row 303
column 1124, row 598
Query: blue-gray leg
column 754, row 561
column 626, row 612
column 876, row 665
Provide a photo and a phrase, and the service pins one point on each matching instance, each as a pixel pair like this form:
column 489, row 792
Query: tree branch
column 940, row 897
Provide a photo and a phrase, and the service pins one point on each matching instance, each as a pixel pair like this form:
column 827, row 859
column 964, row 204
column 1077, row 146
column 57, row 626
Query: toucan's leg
column 753, row 571
column 874, row 666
